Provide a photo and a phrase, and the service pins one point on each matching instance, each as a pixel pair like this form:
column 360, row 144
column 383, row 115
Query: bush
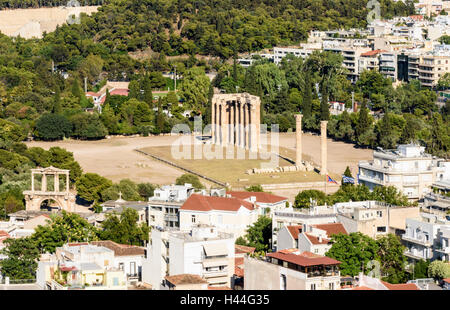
column 53, row 127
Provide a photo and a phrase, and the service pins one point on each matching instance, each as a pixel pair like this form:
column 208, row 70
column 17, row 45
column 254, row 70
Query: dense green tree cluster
column 347, row 192
column 259, row 235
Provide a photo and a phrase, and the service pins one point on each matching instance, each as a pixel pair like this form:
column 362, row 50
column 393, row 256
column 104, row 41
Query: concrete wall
column 285, row 239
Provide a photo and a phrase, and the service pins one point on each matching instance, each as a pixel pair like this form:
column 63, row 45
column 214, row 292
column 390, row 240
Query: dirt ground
column 115, row 159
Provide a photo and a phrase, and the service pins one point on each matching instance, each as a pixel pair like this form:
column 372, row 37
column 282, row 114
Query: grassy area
column 233, row 171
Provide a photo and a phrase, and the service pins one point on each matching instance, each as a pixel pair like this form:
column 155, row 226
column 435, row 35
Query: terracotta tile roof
column 120, row 249
column 119, row 92
column 294, row 230
column 372, row 53
column 208, row 203
column 332, row 228
column 238, row 249
column 3, row 233
column 362, row 288
column 446, row 280
column 77, row 243
column 315, row 240
column 403, row 286
column 304, row 259
column 185, row 279
column 260, row 196
column 91, row 93
column 219, row 288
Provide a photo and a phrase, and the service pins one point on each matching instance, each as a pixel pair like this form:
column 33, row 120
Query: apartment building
column 408, row 168
column 426, row 239
column 351, row 54
column 438, row 200
column 266, row 203
column 295, row 217
column 310, row 238
column 203, row 251
column 432, row 67
column 83, row 266
column 369, row 60
column 291, row 270
column 228, row 214
column 388, row 65
column 374, row 218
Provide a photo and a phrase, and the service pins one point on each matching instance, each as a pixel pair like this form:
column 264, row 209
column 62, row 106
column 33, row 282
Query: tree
column 439, row 270
column 391, row 195
column 64, row 228
column 307, row 97
column 354, row 251
column 347, row 173
column 147, row 96
column 420, row 269
column 128, row 188
column 135, row 89
column 255, row 188
column 88, row 126
column 191, row 179
column 195, row 89
column 10, row 131
column 392, row 258
column 124, row 229
column 303, row 198
column 21, row 259
column 146, row 190
column 259, row 234
column 91, row 185
column 53, row 127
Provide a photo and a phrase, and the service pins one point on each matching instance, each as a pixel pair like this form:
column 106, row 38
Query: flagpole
column 326, row 181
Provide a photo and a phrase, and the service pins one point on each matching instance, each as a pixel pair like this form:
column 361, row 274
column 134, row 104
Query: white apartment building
column 295, row 217
column 202, row 251
column 438, row 201
column 408, row 168
column 422, row 238
column 311, row 238
column 228, row 214
column 374, row 218
column 291, row 270
column 388, row 65
column 163, row 206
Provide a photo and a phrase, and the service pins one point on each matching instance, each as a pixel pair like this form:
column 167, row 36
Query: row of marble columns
column 323, row 143
column 44, row 181
column 233, row 123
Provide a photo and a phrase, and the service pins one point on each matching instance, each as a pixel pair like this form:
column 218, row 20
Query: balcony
column 414, row 255
column 370, row 179
column 215, row 273
column 420, row 241
column 439, row 248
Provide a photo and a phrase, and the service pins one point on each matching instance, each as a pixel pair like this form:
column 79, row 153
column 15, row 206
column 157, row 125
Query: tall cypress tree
column 76, row 89
column 57, row 109
column 147, row 88
column 363, row 120
column 160, row 117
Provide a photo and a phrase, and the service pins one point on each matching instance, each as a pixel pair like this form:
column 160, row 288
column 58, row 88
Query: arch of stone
column 63, row 197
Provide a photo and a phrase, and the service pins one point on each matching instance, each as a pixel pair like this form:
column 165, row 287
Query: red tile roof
column 304, row 259
column 238, row 249
column 372, row 53
column 120, row 249
column 404, row 286
column 239, row 266
column 185, row 279
column 315, row 240
column 260, row 196
column 362, row 288
column 332, row 228
column 119, row 92
column 207, row 203
column 294, row 230
column 91, row 93
column 446, row 280
column 219, row 288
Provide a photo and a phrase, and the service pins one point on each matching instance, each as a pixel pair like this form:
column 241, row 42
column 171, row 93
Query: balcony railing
column 420, row 241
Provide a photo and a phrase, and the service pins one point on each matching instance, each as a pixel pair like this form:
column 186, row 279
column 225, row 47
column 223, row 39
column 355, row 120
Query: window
column 331, row 286
column 283, row 282
column 313, row 287
column 115, row 281
column 132, row 267
column 381, row 229
column 380, row 213
column 193, row 218
column 316, row 251
column 121, row 266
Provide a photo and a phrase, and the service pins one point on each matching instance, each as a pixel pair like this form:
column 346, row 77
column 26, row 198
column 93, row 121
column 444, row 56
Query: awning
column 215, row 249
column 216, row 262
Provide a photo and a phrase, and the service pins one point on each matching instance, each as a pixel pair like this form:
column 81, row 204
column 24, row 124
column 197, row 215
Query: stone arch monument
column 64, row 198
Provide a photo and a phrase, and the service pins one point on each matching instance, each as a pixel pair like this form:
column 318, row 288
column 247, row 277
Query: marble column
column 67, row 182
column 44, row 183
column 56, row 186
